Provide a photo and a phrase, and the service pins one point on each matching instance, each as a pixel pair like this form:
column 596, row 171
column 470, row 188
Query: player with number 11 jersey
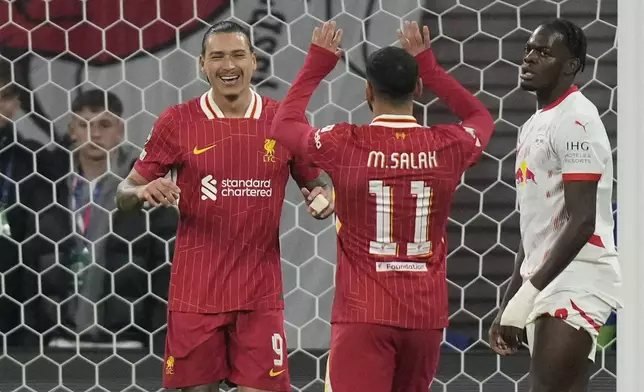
column 394, row 181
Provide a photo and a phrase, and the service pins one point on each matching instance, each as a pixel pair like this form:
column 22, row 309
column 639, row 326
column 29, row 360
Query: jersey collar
column 395, row 121
column 559, row 100
column 213, row 111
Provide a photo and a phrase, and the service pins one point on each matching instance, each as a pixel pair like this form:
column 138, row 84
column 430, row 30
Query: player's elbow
column 280, row 130
column 588, row 226
column 487, row 122
column 278, row 124
column 584, row 225
column 126, row 198
column 275, row 126
column 483, row 122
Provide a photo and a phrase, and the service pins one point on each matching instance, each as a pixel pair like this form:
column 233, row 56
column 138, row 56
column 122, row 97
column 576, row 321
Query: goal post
column 630, row 193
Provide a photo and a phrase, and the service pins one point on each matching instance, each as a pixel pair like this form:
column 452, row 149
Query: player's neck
column 234, row 108
column 547, row 97
column 384, row 109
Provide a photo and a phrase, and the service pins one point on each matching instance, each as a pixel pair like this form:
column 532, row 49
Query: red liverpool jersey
column 394, row 182
column 232, row 178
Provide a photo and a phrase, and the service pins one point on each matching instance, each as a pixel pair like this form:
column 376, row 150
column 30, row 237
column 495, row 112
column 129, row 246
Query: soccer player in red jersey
column 225, row 302
column 394, row 181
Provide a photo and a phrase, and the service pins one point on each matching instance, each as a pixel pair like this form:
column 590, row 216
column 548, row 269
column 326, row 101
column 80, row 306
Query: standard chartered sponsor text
column 213, row 189
column 246, row 188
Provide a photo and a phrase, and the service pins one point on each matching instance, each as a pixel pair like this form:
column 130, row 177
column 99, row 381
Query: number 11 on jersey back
column 384, row 244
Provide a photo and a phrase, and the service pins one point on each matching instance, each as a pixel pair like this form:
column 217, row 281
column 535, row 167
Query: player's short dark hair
column 225, row 26
column 393, row 73
column 97, row 101
column 573, row 37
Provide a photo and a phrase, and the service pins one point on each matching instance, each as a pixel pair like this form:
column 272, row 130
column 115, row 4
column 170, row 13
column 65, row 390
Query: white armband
column 518, row 310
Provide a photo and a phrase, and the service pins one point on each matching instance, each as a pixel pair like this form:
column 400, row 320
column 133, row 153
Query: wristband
column 518, row 310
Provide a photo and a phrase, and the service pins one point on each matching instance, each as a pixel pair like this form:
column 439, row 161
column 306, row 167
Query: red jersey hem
column 432, row 325
column 182, row 308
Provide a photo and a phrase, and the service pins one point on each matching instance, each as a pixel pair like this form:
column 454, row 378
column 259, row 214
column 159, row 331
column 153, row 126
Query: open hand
column 412, row 40
column 328, row 37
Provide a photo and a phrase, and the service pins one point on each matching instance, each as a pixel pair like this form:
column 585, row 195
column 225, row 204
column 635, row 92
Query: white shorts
column 579, row 309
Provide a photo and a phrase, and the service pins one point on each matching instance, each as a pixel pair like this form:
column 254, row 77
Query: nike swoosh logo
column 198, row 151
column 273, row 373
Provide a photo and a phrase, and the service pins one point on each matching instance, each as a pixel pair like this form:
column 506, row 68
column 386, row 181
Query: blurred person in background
column 17, row 201
column 98, row 249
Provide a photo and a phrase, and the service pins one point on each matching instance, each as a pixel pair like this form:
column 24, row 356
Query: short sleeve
column 471, row 148
column 322, row 146
column 475, row 147
column 160, row 151
column 582, row 146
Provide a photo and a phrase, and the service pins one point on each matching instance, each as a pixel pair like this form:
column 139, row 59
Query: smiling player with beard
column 225, row 302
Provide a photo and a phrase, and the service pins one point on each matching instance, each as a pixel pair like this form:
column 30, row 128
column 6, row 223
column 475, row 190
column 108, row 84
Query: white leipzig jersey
column 566, row 141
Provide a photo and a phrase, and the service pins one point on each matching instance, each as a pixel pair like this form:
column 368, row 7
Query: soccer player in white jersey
column 567, row 277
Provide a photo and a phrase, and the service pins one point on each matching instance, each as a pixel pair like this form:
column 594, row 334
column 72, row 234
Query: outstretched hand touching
column 328, row 37
column 412, row 40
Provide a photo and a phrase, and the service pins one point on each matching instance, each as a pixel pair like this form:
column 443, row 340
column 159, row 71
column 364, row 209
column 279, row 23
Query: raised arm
column 469, row 109
column 289, row 125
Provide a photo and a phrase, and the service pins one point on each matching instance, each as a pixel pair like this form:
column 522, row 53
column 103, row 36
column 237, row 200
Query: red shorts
column 247, row 348
column 379, row 358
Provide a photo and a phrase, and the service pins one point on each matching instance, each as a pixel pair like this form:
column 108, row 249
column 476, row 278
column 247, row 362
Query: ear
column 254, row 60
column 202, row 61
column 369, row 95
column 15, row 104
column 572, row 66
column 121, row 128
column 419, row 88
column 70, row 131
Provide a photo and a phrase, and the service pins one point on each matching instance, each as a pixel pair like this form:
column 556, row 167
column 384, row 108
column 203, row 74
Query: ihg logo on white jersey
column 212, row 189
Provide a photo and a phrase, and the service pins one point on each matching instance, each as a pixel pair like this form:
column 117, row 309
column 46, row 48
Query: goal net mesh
column 146, row 53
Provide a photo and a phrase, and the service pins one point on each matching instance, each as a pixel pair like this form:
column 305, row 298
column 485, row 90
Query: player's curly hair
column 393, row 73
column 573, row 37
column 225, row 26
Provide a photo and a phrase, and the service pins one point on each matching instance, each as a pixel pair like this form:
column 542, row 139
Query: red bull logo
column 523, row 174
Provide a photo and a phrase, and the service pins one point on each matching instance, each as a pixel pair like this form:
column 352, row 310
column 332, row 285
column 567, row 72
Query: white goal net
column 101, row 326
